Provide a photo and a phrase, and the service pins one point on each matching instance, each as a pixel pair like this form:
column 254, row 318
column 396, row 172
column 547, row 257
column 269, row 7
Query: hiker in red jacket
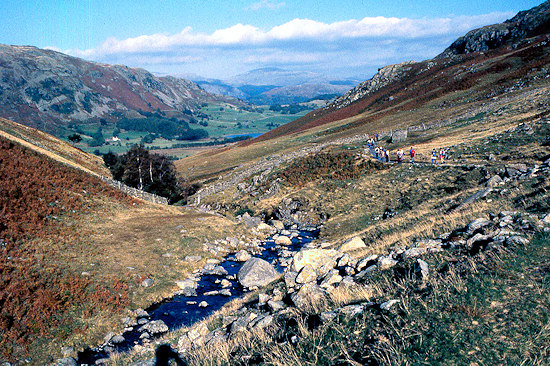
column 412, row 153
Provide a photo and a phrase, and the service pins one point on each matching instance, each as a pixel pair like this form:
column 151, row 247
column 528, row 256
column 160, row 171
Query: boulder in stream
column 256, row 273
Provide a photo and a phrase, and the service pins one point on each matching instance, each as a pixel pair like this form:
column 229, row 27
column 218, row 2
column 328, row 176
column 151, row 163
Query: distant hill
column 48, row 90
column 277, row 86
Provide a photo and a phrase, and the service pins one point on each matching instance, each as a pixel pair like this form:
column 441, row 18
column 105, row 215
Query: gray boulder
column 477, row 225
column 67, row 361
column 154, row 327
column 257, row 272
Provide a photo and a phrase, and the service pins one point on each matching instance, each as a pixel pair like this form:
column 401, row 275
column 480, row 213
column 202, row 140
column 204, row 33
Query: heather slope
column 75, row 251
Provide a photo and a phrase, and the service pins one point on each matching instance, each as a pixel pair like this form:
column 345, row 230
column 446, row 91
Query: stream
column 183, row 311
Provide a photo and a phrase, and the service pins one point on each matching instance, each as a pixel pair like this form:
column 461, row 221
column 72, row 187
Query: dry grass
column 52, row 147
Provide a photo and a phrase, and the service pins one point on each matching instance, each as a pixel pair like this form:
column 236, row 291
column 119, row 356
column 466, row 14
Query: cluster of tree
column 97, row 138
column 288, row 109
column 152, row 173
column 168, row 128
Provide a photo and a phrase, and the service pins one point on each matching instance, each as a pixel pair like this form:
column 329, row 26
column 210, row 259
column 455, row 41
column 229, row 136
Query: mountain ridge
column 48, row 89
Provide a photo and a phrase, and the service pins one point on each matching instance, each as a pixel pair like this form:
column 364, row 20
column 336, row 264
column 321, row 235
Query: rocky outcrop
column 525, row 24
column 383, row 77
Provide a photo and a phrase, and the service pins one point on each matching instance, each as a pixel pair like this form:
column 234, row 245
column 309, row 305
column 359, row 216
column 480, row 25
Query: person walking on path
column 442, row 154
column 412, row 153
column 434, row 157
column 399, row 155
column 387, row 156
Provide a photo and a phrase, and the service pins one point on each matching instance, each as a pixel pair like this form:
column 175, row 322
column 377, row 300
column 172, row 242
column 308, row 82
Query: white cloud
column 266, row 4
column 299, row 41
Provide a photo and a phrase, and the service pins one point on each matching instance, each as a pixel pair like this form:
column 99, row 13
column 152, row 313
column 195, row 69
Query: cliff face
column 47, row 89
column 525, row 24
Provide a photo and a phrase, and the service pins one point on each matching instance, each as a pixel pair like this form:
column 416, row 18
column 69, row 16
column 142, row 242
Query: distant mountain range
column 48, row 89
column 277, row 86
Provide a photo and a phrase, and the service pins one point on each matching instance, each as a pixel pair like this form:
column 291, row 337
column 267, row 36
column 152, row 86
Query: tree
column 152, row 173
column 75, row 138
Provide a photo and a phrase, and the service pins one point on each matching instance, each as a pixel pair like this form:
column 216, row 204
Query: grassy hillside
column 75, row 251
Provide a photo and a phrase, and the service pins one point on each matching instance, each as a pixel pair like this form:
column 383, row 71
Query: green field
column 222, row 121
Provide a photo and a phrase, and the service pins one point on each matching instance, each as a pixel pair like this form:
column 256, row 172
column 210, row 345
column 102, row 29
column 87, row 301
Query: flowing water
column 181, row 310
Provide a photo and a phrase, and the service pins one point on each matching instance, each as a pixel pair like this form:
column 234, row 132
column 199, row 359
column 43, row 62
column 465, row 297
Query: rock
column 307, row 274
column 148, row 282
column 265, row 228
column 257, row 272
column 211, row 293
column 128, row 322
column 366, row 272
column 118, row 339
column 517, row 240
column 276, row 305
column 203, row 304
column 423, row 269
column 67, row 351
column 251, row 221
column 140, row 313
column 67, row 361
column 193, row 258
column 366, row 262
column 478, row 242
column 154, row 327
column 278, row 225
column 242, row 256
column 225, row 292
column 414, row 252
column 477, row 225
column 188, row 283
column 351, row 310
column 262, row 322
column 283, row 240
column 215, row 271
column 108, row 337
column 263, row 299
column 309, row 297
column 428, row 243
column 225, row 283
column 242, row 322
column 494, row 181
column 290, row 278
column 388, row 304
column 546, row 219
column 331, row 278
column 352, row 244
column 386, row 262
column 195, row 332
column 321, row 260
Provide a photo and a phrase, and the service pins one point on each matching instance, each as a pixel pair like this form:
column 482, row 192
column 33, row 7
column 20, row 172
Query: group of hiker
column 383, row 154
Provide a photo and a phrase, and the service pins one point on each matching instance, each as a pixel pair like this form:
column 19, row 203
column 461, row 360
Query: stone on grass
column 477, row 224
column 257, row 272
column 309, row 297
column 386, row 262
column 67, row 361
column 388, row 304
column 352, row 244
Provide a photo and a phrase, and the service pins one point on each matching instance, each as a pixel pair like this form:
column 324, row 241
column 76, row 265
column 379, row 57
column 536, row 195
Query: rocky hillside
column 48, row 89
column 525, row 24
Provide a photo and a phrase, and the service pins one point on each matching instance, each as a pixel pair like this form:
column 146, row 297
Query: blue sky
column 219, row 38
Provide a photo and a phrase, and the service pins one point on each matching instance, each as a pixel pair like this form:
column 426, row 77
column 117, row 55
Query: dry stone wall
column 134, row 192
